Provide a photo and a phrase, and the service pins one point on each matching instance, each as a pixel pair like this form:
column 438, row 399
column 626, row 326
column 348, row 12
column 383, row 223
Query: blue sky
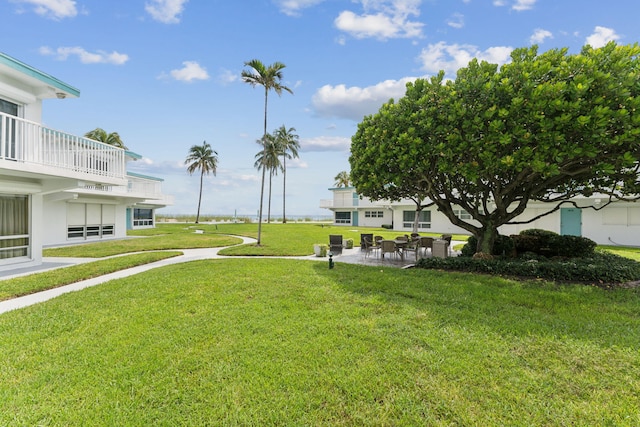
column 165, row 74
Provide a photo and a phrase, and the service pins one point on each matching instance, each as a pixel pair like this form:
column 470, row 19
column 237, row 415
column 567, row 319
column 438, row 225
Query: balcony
column 29, row 148
column 139, row 188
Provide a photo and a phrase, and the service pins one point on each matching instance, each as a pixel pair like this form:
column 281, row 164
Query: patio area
column 357, row 256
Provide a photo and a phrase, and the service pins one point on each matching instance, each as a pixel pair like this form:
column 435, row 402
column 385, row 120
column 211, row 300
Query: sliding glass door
column 8, row 129
column 14, row 226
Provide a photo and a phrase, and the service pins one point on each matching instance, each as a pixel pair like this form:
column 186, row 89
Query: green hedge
column 599, row 268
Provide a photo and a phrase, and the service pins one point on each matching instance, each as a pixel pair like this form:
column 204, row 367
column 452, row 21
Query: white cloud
column 189, row 72
column 53, row 9
column 456, row 20
column 601, row 36
column 325, row 143
column 227, row 76
column 354, row 102
column 293, row 7
column 382, row 19
column 450, row 58
column 518, row 5
column 539, row 36
column 524, row 5
column 99, row 57
column 165, row 11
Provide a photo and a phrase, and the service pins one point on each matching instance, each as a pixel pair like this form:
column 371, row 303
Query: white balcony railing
column 138, row 187
column 28, row 142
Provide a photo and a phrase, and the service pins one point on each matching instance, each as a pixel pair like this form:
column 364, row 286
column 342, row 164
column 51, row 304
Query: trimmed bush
column 348, row 244
column 503, row 246
column 571, row 246
column 600, row 268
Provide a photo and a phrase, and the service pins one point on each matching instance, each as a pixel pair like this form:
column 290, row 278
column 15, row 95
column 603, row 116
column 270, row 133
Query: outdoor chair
column 413, row 246
column 388, row 247
column 335, row 243
column 447, row 237
column 377, row 240
column 370, row 247
column 363, row 237
column 426, row 243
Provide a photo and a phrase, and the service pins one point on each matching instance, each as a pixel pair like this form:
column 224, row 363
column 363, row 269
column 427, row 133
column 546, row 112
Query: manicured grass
column 159, row 239
column 284, row 342
column 632, row 253
column 37, row 282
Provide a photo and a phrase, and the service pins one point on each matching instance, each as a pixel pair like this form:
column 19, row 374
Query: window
column 90, row 220
column 8, row 129
column 462, row 214
column 343, row 217
column 424, row 221
column 373, row 214
column 142, row 217
column 14, row 226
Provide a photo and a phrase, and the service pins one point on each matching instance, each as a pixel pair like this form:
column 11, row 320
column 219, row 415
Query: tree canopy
column 544, row 127
column 111, row 138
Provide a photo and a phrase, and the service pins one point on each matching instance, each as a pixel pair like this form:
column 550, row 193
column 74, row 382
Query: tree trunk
column 264, row 137
column 284, row 187
column 486, row 239
column 199, row 197
column 269, row 201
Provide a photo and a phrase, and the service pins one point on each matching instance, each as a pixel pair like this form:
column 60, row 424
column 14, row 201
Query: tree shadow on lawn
column 499, row 305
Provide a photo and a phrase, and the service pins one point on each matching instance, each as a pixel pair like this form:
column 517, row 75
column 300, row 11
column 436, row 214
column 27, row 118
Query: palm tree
column 270, row 78
column 289, row 145
column 101, row 135
column 202, row 158
column 342, row 179
column 269, row 159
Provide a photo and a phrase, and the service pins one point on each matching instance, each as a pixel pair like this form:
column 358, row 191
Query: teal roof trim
column 342, row 188
column 42, row 76
column 133, row 155
column 139, row 175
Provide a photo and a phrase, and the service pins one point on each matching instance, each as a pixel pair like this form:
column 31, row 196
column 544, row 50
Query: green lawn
column 37, row 282
column 285, row 342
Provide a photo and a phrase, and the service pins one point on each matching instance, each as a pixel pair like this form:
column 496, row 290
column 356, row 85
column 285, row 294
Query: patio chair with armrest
column 412, row 246
column 370, row 247
column 426, row 243
column 335, row 243
column 388, row 247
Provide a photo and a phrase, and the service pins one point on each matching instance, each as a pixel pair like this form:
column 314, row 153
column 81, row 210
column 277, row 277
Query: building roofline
column 37, row 74
column 139, row 175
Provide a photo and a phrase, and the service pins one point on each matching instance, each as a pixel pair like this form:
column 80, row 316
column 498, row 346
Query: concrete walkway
column 350, row 256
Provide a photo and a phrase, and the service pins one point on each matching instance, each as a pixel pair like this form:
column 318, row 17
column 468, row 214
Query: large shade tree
column 204, row 159
column 101, row 135
column 270, row 78
column 545, row 127
column 268, row 159
column 289, row 144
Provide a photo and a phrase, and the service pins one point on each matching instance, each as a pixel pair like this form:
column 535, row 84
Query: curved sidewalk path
column 351, row 256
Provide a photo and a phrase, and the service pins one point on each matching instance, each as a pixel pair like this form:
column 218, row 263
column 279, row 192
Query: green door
column 571, row 221
column 354, row 218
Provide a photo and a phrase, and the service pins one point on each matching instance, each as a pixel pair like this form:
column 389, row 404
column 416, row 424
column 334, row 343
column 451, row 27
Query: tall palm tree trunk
column 199, row 197
column 269, row 201
column 284, row 188
column 264, row 146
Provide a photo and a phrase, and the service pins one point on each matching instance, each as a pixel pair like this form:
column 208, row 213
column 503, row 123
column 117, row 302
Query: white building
column 616, row 224
column 55, row 187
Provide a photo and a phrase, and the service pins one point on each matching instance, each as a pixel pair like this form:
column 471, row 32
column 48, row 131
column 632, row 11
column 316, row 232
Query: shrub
column 348, row 243
column 503, row 246
column 387, row 226
column 571, row 246
column 601, row 269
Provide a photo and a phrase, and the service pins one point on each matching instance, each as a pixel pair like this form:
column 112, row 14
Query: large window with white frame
column 462, row 214
column 87, row 221
column 424, row 220
column 8, row 129
column 142, row 217
column 374, row 214
column 343, row 218
column 14, row 226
